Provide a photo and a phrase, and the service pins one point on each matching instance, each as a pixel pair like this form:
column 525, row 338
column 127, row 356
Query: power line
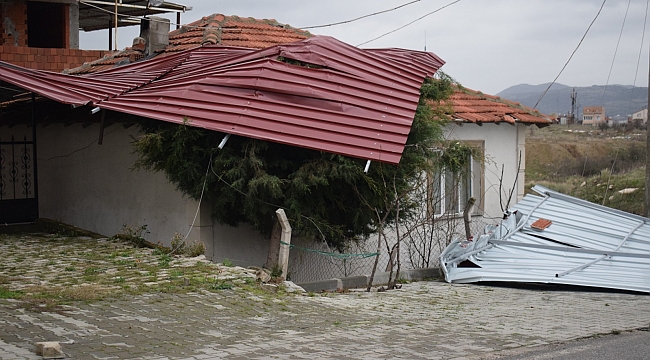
column 638, row 61
column 360, row 17
column 602, row 100
column 573, row 53
column 403, row 26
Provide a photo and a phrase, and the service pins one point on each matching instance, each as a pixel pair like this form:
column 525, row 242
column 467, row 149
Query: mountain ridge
column 618, row 99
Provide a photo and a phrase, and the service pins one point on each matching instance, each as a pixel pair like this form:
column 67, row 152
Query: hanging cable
column 360, row 17
column 638, row 61
column 220, row 178
column 403, row 26
column 198, row 208
column 602, row 99
column 571, row 57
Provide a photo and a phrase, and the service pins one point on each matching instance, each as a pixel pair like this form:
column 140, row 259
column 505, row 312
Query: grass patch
column 8, row 294
column 589, row 163
column 222, row 285
column 88, row 270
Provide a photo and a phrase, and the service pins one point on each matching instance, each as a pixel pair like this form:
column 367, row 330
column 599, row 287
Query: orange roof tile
column 472, row 106
column 210, row 30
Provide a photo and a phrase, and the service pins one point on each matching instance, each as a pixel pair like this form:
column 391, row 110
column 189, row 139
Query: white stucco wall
column 93, row 187
column 503, row 145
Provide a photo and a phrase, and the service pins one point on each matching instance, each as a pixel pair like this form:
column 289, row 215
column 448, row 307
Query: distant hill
column 619, row 100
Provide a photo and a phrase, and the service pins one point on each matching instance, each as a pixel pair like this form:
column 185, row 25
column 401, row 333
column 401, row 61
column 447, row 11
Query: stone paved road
column 423, row 320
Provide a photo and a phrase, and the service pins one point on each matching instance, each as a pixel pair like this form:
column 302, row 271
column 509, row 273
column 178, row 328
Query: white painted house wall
column 504, row 144
column 93, row 187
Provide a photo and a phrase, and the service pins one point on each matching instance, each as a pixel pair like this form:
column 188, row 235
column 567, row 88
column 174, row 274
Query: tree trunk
column 274, row 246
column 467, row 217
column 374, row 266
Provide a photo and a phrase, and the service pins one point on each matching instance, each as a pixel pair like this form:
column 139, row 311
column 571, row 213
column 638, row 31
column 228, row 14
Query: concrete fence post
column 285, row 240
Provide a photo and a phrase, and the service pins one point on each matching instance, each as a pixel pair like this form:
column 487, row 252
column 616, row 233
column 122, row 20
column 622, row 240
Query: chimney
column 155, row 32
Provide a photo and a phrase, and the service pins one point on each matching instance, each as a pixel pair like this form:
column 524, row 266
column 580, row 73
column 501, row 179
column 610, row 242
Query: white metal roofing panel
column 586, row 244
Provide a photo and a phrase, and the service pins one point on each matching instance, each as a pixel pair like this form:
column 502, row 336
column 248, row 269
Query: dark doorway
column 18, row 194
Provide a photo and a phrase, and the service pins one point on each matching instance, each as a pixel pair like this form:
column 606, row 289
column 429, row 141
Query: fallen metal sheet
column 585, row 244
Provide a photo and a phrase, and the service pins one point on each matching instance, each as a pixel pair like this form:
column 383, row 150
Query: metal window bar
column 15, row 175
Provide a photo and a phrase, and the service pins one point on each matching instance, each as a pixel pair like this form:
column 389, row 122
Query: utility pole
column 574, row 96
column 647, row 152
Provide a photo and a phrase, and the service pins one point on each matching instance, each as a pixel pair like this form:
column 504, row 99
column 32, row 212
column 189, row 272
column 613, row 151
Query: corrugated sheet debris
column 580, row 243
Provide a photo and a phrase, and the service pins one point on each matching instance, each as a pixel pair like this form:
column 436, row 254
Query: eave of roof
column 470, row 106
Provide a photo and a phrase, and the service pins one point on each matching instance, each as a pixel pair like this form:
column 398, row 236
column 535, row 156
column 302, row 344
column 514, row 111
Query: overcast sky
column 488, row 45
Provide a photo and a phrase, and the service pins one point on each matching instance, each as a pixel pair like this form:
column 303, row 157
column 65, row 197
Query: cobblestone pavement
column 423, row 320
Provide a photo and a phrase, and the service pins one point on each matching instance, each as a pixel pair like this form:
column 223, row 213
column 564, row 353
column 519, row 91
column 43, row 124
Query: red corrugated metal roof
column 349, row 101
column 475, row 107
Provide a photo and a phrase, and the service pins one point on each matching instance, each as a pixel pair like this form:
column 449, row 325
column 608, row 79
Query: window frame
column 438, row 209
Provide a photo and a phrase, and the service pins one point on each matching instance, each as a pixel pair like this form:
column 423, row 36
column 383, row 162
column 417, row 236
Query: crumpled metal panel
column 348, row 101
column 585, row 244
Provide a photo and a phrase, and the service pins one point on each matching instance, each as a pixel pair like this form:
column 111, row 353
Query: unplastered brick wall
column 14, row 22
column 48, row 59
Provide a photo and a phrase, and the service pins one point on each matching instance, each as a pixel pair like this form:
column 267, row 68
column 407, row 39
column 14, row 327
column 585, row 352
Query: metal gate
column 18, row 181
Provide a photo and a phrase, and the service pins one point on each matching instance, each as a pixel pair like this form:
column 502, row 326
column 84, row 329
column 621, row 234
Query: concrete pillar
column 73, row 25
column 283, row 258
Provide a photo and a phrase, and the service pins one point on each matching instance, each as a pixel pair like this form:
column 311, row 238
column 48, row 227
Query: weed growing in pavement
column 89, row 270
column 221, row 285
column 191, row 248
column 159, row 251
column 134, row 234
column 177, row 243
column 92, row 270
column 163, row 260
column 227, row 262
column 194, row 248
column 276, row 271
column 8, row 294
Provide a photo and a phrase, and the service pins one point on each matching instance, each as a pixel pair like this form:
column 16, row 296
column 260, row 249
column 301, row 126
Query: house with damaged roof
column 73, row 131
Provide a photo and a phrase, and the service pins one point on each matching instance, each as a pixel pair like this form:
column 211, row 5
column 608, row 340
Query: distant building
column 617, row 120
column 593, row 115
column 641, row 115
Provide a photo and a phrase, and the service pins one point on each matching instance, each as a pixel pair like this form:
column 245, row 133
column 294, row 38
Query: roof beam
column 182, row 8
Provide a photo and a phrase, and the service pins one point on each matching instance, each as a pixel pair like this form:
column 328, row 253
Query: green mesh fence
column 314, row 261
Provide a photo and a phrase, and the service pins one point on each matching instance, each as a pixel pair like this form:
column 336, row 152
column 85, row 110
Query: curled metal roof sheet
column 318, row 93
column 582, row 244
